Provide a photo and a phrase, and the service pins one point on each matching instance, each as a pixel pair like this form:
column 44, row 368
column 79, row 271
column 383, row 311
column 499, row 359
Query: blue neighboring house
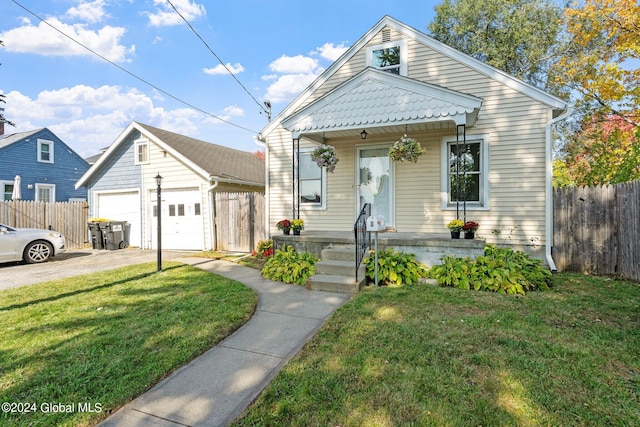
column 47, row 167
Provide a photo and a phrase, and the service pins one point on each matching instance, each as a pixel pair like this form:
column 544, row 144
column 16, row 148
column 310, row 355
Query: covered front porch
column 428, row 247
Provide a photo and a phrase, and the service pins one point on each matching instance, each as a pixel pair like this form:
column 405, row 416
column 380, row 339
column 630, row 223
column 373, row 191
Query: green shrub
column 499, row 270
column 395, row 268
column 289, row 266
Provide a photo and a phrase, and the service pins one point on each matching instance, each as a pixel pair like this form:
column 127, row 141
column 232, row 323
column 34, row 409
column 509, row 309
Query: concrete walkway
column 213, row 389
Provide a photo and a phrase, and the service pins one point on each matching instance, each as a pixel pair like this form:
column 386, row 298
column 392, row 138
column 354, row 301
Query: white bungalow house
column 122, row 186
column 393, row 81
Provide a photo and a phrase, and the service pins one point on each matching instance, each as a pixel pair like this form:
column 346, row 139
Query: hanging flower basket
column 325, row 157
column 407, row 149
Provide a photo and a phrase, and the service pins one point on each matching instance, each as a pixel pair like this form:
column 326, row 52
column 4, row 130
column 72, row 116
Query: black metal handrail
column 363, row 237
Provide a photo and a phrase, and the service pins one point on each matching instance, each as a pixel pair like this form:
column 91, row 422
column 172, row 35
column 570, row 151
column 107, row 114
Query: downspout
column 267, row 205
column 549, row 187
column 267, row 190
column 213, row 183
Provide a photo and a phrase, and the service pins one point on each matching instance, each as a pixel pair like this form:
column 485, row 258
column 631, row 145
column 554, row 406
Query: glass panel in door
column 375, row 182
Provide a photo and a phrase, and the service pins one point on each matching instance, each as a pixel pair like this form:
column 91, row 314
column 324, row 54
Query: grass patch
column 427, row 355
column 104, row 338
column 247, row 260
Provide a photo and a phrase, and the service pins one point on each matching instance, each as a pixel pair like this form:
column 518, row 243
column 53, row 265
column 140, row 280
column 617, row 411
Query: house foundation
column 428, row 248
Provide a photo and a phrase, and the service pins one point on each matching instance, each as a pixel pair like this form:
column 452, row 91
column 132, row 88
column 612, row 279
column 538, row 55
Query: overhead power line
column 266, row 110
column 132, row 74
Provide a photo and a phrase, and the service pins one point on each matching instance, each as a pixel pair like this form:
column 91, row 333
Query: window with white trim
column 142, row 151
column 465, row 173
column 45, row 193
column 7, row 190
column 313, row 187
column 390, row 57
column 45, row 151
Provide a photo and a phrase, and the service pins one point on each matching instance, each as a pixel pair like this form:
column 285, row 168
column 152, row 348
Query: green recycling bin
column 97, row 241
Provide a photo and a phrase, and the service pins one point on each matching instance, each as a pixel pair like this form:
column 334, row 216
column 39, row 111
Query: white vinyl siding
column 514, row 127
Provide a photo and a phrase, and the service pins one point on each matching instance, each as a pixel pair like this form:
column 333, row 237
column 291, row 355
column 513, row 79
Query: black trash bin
column 113, row 233
column 97, row 240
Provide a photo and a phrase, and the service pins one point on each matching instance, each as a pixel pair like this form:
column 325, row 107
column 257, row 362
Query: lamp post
column 159, row 191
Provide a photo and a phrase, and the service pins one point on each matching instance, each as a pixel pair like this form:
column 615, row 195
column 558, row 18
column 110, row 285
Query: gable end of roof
column 410, row 32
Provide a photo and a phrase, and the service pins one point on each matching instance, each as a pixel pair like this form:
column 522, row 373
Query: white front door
column 375, row 181
column 182, row 220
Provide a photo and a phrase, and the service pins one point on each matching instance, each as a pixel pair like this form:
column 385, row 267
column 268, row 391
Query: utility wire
column 262, row 109
column 134, row 75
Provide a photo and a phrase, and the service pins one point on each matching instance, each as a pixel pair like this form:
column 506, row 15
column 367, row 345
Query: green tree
column 515, row 36
column 599, row 60
column 561, row 175
column 604, row 152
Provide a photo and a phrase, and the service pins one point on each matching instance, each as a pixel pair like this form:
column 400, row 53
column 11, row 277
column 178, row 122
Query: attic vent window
column 45, row 151
column 141, row 152
column 386, row 35
column 390, row 57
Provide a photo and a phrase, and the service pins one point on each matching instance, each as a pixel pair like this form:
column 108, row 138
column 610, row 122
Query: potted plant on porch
column 284, row 225
column 325, row 157
column 455, row 226
column 297, row 225
column 407, row 149
column 469, row 229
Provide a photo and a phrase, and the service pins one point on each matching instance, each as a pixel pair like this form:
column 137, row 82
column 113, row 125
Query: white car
column 29, row 244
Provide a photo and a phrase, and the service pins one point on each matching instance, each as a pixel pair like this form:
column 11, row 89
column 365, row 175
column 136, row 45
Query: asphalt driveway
column 76, row 262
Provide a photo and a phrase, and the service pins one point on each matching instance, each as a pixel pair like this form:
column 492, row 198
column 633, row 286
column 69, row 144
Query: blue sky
column 275, row 49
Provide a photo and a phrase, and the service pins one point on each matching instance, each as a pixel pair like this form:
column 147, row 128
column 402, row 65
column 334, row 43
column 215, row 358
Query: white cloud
column 88, row 119
column 298, row 64
column 288, row 87
column 331, row 52
column 166, row 16
column 44, row 40
column 292, row 75
column 233, row 111
column 90, row 11
column 220, row 69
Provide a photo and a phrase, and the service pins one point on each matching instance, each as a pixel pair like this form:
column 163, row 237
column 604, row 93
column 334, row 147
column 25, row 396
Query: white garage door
column 182, row 220
column 122, row 207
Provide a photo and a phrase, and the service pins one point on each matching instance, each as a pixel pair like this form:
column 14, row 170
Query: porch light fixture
column 363, row 134
column 159, row 191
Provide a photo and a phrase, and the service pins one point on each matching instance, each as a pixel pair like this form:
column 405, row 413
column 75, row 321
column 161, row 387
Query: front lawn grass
column 100, row 340
column 432, row 356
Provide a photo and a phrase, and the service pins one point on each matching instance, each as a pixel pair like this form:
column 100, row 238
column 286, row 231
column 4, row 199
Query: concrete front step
column 331, row 283
column 335, row 272
column 339, row 253
column 339, row 268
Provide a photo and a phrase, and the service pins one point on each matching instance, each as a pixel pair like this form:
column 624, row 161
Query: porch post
column 295, row 177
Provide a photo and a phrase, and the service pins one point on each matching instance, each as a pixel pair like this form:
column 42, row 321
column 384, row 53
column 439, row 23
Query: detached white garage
column 122, row 186
column 122, row 206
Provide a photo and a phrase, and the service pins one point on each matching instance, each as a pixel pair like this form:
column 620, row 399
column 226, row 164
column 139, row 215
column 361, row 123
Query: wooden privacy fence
column 239, row 221
column 68, row 218
column 597, row 229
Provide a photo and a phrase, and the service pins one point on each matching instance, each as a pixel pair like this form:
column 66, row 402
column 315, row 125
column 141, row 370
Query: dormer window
column 142, row 151
column 45, row 151
column 390, row 57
